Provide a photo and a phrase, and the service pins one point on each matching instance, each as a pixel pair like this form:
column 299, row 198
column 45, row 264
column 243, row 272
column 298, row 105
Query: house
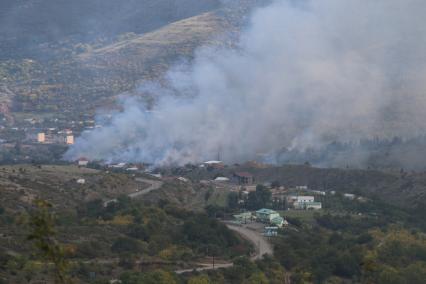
column 81, row 181
column 317, row 192
column 266, row 215
column 305, row 199
column 243, row 178
column 279, row 222
column 306, row 202
column 83, row 162
column 307, row 205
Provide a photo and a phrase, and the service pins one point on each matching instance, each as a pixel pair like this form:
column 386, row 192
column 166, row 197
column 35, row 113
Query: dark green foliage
column 233, row 200
column 126, row 245
column 260, row 198
column 42, row 226
column 201, row 231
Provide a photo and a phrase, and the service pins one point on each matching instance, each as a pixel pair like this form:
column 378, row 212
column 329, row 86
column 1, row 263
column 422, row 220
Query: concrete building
column 279, row 222
column 41, row 137
column 243, row 178
column 305, row 198
column 69, row 140
column 83, row 162
column 307, row 205
column 306, row 202
column 266, row 215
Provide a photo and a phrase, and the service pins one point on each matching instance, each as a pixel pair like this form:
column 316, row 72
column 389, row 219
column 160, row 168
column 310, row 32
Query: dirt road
column 261, row 245
column 154, row 185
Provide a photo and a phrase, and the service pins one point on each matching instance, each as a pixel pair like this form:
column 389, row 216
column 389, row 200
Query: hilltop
column 70, row 58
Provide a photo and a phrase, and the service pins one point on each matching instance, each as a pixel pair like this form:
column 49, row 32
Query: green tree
column 43, row 235
column 233, row 200
column 200, row 279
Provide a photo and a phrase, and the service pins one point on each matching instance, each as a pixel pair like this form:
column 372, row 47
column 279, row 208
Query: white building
column 41, row 137
column 81, row 181
column 317, row 192
column 349, row 196
column 69, row 140
column 306, row 202
column 303, row 198
column 82, row 162
column 302, row 187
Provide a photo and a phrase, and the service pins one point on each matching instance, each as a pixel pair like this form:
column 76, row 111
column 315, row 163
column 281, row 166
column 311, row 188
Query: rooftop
column 266, row 211
column 243, row 174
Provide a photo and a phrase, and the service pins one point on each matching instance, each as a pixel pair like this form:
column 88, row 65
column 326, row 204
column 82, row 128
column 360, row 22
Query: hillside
column 22, row 184
column 24, row 24
column 85, row 54
column 398, row 188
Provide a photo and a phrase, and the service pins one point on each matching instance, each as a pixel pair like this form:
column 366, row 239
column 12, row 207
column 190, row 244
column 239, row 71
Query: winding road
column 262, row 247
column 154, row 185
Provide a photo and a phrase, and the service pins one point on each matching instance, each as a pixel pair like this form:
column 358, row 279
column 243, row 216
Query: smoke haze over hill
column 305, row 73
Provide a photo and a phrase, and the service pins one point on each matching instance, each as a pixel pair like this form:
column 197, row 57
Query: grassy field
column 303, row 215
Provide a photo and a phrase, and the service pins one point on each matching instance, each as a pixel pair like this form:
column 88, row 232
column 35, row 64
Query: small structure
column 349, row 196
column 132, row 169
column 118, row 166
column 83, row 162
column 279, row 222
column 214, row 164
column 243, row 178
column 317, row 192
column 270, row 231
column 302, row 187
column 243, row 217
column 221, row 179
column 81, row 181
column 69, row 140
column 305, row 198
column 182, row 179
column 266, row 215
column 306, row 202
column 41, row 137
column 307, row 205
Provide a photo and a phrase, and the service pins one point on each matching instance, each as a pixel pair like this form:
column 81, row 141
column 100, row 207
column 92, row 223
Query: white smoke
column 305, row 73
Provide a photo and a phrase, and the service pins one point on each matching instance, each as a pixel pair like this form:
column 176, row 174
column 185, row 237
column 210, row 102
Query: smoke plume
column 305, row 73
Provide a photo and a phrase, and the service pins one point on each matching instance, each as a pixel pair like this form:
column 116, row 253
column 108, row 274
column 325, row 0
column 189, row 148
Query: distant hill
column 404, row 189
column 68, row 58
column 24, row 23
